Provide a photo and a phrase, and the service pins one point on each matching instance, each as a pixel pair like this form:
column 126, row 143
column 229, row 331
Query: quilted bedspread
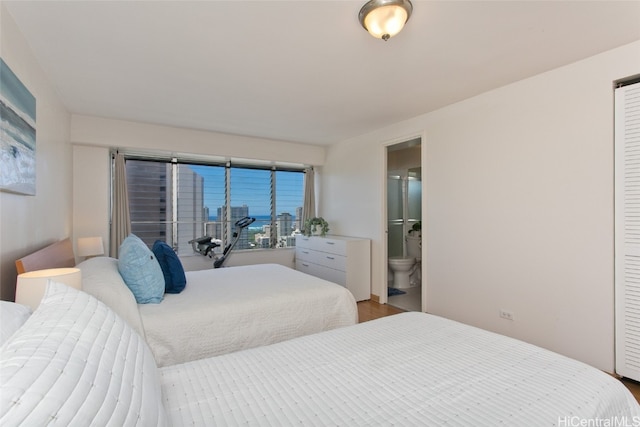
column 411, row 369
column 229, row 309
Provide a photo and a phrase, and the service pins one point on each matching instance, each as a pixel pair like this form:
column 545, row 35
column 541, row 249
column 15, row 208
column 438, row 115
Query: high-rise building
column 191, row 211
column 149, row 188
column 237, row 212
column 151, row 204
column 285, row 222
column 299, row 223
column 289, row 241
column 263, row 242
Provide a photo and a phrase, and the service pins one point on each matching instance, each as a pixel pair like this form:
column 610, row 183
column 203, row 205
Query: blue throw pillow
column 140, row 270
column 174, row 278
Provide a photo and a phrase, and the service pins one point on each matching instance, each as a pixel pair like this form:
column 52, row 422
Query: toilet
column 406, row 270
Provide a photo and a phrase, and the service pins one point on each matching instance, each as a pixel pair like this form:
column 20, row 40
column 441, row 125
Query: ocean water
column 259, row 222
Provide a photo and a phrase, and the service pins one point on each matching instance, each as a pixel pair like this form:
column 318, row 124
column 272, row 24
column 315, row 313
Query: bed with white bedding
column 407, row 369
column 234, row 308
column 226, row 309
column 76, row 363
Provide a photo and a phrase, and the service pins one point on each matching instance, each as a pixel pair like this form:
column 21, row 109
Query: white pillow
column 101, row 278
column 77, row 363
column 12, row 316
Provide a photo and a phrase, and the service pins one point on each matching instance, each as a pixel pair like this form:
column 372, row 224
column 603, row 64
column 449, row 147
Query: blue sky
column 251, row 187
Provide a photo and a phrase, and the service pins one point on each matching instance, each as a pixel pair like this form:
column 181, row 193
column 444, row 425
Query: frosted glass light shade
column 385, row 18
column 90, row 246
column 31, row 285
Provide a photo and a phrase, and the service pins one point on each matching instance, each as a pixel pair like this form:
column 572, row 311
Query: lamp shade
column 31, row 285
column 90, row 246
column 385, row 18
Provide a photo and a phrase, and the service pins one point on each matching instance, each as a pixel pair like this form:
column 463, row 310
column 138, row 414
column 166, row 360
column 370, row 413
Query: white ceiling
column 302, row 71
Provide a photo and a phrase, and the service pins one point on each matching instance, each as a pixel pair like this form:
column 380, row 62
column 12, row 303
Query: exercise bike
column 206, row 245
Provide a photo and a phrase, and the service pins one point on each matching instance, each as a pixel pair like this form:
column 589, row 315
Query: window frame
column 227, row 227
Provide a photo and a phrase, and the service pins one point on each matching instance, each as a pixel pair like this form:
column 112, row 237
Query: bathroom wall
column 405, row 158
column 402, row 163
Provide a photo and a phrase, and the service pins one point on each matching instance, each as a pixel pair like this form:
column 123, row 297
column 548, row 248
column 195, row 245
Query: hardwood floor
column 633, row 386
column 369, row 310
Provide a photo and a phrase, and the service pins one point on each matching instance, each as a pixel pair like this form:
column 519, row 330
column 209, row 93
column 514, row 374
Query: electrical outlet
column 506, row 314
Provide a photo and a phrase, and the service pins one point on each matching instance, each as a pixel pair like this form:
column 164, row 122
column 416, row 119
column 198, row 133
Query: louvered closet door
column 627, row 230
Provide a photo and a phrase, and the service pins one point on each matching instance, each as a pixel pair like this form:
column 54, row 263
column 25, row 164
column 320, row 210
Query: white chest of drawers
column 342, row 260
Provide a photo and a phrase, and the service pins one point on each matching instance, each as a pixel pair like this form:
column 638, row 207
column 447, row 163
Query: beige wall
column 28, row 223
column 518, row 196
column 91, row 193
column 96, row 131
column 517, row 200
column 93, row 137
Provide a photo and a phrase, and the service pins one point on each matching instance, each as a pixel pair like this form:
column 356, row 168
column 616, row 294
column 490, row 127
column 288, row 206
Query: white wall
column 93, row 137
column 96, row 131
column 28, row 223
column 518, row 196
column 91, row 193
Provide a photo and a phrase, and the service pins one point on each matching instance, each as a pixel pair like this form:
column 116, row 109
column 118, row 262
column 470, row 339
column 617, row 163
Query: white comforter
column 229, row 309
column 407, row 369
column 76, row 363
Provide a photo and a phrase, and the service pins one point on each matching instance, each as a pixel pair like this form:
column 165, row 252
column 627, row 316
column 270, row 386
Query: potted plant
column 315, row 226
column 416, row 229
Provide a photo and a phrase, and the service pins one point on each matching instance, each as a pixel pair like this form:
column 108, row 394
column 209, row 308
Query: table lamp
column 90, row 246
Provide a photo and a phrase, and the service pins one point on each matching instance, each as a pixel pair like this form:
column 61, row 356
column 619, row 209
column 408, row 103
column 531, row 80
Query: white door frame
column 384, row 225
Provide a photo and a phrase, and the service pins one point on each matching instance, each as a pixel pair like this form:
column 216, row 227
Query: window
column 177, row 202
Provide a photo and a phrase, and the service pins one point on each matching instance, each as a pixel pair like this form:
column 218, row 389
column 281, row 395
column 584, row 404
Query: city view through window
column 176, row 202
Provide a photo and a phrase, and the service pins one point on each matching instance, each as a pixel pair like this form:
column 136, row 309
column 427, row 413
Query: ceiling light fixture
column 384, row 19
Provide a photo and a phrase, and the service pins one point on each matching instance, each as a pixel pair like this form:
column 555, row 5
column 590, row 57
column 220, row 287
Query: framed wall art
column 17, row 134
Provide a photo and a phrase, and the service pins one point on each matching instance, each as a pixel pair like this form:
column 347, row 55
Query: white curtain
column 120, row 220
column 309, row 204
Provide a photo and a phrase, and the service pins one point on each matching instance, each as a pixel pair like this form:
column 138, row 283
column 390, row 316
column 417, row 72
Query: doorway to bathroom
column 404, row 225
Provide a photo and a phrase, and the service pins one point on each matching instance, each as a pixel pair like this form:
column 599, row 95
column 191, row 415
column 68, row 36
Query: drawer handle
column 330, row 257
column 330, row 243
column 305, row 252
column 305, row 265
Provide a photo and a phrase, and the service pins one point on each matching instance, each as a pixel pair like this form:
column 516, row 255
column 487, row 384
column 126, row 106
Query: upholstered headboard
column 56, row 255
